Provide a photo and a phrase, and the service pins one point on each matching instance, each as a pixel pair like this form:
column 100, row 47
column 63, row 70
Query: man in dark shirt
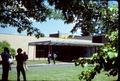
column 5, row 64
column 20, row 60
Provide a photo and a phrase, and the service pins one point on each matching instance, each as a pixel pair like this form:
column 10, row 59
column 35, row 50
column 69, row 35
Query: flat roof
column 65, row 42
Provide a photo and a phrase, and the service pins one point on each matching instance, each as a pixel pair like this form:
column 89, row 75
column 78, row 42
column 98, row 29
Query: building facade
column 67, row 47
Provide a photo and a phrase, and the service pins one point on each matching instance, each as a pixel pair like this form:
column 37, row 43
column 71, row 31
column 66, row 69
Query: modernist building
column 67, row 47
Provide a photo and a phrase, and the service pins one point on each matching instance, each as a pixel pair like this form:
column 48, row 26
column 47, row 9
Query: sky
column 48, row 27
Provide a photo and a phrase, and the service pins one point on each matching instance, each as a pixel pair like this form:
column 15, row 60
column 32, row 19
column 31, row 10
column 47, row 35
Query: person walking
column 20, row 60
column 5, row 64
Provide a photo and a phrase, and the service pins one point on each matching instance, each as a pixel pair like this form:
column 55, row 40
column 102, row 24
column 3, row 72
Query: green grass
column 29, row 62
column 57, row 73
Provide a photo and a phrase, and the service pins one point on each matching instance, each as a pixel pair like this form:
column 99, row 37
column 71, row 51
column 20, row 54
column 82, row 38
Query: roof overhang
column 65, row 42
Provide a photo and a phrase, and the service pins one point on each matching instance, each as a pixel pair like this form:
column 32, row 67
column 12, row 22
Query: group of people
column 20, row 58
column 21, row 62
column 52, row 56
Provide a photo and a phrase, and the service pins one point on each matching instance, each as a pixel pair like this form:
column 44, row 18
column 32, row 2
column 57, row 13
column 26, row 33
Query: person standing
column 10, row 62
column 54, row 57
column 5, row 64
column 25, row 64
column 49, row 57
column 20, row 60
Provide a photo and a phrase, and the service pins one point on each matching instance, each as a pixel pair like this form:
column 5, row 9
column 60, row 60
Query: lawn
column 56, row 73
column 29, row 62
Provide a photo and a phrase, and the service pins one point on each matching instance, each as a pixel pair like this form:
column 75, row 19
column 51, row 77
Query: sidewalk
column 61, row 63
column 51, row 64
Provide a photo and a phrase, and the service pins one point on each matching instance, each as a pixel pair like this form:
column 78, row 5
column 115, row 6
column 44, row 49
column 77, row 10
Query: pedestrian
column 49, row 57
column 5, row 64
column 54, row 57
column 10, row 62
column 25, row 63
column 20, row 60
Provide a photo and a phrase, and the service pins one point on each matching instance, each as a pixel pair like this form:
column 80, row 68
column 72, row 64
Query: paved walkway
column 62, row 63
column 35, row 65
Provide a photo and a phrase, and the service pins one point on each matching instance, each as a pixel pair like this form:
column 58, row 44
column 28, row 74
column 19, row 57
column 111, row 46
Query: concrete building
column 68, row 47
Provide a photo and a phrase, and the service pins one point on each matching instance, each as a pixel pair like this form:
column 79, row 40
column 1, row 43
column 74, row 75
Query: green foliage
column 6, row 44
column 104, row 59
column 18, row 13
column 92, row 17
column 106, row 22
column 55, row 14
column 3, row 44
column 12, row 51
column 101, row 17
column 87, row 75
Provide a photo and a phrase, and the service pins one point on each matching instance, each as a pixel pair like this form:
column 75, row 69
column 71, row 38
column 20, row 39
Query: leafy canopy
column 86, row 15
column 6, row 44
column 18, row 13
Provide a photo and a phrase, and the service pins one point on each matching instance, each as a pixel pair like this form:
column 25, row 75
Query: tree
column 18, row 13
column 92, row 17
column 95, row 17
column 6, row 44
column 105, row 59
column 77, row 11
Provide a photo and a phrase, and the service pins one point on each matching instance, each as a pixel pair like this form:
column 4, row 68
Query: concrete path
column 37, row 65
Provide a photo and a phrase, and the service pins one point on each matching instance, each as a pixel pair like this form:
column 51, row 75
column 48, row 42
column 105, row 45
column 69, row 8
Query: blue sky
column 53, row 26
column 48, row 27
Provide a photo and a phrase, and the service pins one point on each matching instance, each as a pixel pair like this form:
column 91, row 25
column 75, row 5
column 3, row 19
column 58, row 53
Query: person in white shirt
column 25, row 63
column 49, row 57
column 54, row 57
